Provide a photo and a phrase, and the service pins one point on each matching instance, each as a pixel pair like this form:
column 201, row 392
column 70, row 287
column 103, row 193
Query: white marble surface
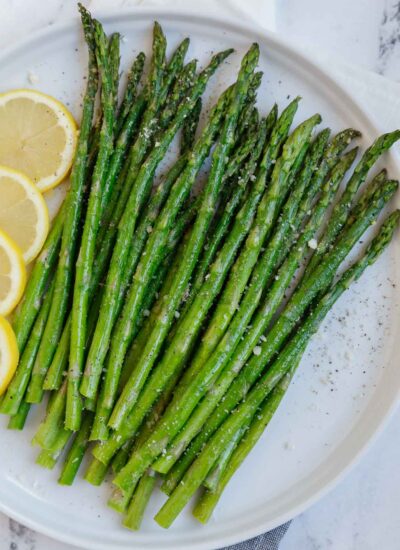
column 362, row 512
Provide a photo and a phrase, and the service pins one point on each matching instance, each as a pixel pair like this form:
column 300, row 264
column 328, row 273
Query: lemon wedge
column 8, row 354
column 12, row 274
column 23, row 213
column 37, row 136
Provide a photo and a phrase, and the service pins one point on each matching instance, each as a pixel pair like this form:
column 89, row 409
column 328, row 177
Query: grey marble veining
column 388, row 61
column 362, row 512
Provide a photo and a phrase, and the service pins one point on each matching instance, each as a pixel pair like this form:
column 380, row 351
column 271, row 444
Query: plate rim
column 288, row 48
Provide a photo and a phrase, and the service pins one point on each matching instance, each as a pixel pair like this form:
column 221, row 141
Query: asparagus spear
column 241, row 271
column 127, row 224
column 80, row 304
column 114, row 58
column 222, row 263
column 138, row 504
column 152, row 210
column 76, row 451
column 184, row 81
column 46, row 352
column 112, row 210
column 49, row 428
column 245, row 412
column 189, row 128
column 111, row 380
column 140, row 342
column 73, row 209
column 51, row 379
column 212, row 480
column 134, row 76
column 17, row 421
column 37, row 283
column 16, row 390
column 96, row 472
column 106, row 450
column 121, row 338
column 211, row 249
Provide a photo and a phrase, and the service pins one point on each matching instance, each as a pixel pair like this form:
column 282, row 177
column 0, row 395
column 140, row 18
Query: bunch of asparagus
column 151, row 317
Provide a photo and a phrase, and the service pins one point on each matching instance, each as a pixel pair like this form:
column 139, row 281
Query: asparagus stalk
column 38, row 280
column 54, row 375
column 16, row 390
column 212, row 480
column 121, row 338
column 49, row 428
column 80, row 304
column 245, row 412
column 266, row 216
column 189, row 128
column 73, row 210
column 204, row 143
column 134, row 76
column 52, row 379
column 76, row 452
column 105, row 451
column 47, row 458
column 17, row 421
column 211, row 249
column 96, row 472
column 222, row 264
column 41, row 367
column 138, row 504
column 184, row 81
column 114, row 58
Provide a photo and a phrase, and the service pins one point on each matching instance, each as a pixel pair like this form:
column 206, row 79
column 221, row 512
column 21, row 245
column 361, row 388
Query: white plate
column 348, row 382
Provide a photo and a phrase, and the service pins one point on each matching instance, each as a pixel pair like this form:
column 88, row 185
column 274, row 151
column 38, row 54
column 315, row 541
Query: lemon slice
column 8, row 354
column 23, row 212
column 37, row 136
column 12, row 274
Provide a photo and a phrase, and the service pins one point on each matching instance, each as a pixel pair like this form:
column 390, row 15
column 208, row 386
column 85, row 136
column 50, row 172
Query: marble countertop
column 362, row 512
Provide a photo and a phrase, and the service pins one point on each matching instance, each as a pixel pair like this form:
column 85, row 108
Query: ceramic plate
column 349, row 378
